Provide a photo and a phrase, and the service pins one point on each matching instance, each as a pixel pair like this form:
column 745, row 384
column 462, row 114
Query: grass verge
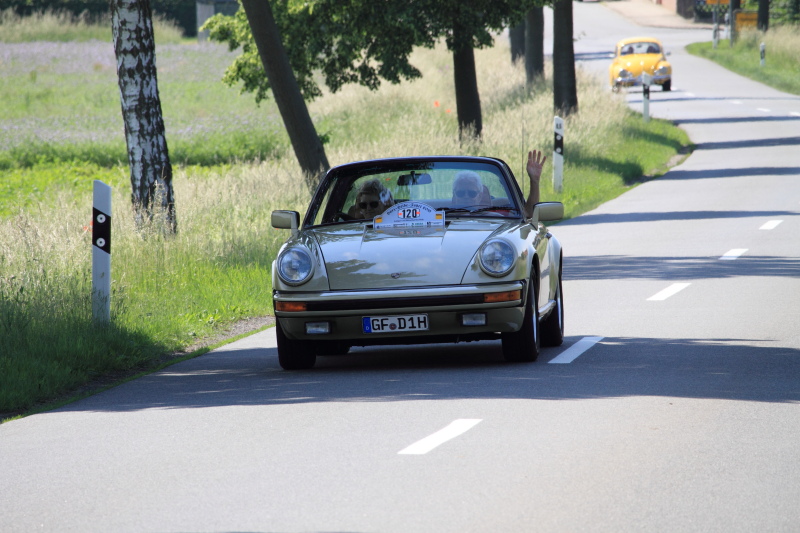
column 781, row 69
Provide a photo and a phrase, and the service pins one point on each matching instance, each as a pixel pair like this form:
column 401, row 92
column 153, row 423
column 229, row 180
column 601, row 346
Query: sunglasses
column 373, row 204
column 462, row 193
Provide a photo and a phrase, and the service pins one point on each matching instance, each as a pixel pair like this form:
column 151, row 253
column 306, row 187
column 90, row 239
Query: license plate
column 393, row 324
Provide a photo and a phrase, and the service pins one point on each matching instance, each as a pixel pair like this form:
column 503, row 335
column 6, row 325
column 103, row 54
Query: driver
column 373, row 198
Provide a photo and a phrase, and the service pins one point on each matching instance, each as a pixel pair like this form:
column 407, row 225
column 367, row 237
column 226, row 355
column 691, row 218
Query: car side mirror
column 286, row 220
column 547, row 212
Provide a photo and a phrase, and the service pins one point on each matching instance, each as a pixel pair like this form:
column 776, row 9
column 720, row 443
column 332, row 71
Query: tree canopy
column 348, row 41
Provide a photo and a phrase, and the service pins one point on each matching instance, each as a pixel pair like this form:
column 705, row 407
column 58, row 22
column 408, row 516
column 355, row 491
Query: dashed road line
column 733, row 254
column 456, row 428
column 574, row 351
column 772, row 224
column 673, row 289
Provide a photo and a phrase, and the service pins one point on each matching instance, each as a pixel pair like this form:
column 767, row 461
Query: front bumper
column 637, row 81
column 444, row 306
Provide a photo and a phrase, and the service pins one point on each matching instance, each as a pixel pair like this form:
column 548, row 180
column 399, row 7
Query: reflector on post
column 101, row 252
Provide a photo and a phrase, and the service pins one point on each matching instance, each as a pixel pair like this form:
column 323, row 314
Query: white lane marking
column 772, row 224
column 673, row 289
column 733, row 254
column 764, row 109
column 690, row 95
column 572, row 353
column 456, row 428
column 737, row 102
column 795, row 114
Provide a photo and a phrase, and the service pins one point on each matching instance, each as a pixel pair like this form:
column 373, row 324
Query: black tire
column 666, row 86
column 553, row 326
column 523, row 345
column 294, row 354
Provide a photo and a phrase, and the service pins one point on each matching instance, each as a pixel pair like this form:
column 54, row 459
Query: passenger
column 536, row 161
column 373, row 198
column 469, row 191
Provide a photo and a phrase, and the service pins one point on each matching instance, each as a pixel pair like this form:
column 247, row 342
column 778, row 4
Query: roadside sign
column 745, row 19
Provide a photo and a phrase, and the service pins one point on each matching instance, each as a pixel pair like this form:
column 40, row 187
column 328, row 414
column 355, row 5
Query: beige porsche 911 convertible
column 417, row 250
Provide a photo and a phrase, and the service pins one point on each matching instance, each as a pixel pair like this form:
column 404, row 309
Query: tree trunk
column 534, row 45
column 516, row 39
column 151, row 171
column 565, row 88
column 763, row 15
column 306, row 143
column 468, row 101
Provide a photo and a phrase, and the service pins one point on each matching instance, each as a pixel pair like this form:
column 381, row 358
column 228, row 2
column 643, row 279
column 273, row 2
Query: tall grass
column 781, row 68
column 169, row 292
column 64, row 26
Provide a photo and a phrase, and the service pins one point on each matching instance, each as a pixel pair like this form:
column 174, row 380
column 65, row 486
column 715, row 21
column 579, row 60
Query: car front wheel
column 294, row 354
column 553, row 325
column 666, row 86
column 523, row 345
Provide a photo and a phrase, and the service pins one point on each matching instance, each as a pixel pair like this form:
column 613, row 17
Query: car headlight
column 662, row 71
column 625, row 74
column 295, row 266
column 497, row 257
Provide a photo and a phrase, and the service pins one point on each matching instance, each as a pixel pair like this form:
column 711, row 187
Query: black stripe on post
column 101, row 230
column 558, row 144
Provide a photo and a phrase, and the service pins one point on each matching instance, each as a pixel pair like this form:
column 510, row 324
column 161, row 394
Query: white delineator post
column 101, row 252
column 646, row 81
column 558, row 153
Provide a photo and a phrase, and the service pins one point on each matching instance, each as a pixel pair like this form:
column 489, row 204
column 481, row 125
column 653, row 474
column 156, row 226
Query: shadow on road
column 613, row 218
column 734, row 120
column 730, row 173
column 617, row 367
column 676, row 268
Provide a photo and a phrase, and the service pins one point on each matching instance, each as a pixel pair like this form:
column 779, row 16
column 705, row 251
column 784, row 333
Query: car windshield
column 361, row 192
column 640, row 48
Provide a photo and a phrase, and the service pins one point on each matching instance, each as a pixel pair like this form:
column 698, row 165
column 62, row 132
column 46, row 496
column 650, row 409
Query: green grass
column 60, row 128
column 781, row 68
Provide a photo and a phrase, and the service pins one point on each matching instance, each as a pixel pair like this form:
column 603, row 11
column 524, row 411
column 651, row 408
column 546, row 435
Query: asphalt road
column 672, row 406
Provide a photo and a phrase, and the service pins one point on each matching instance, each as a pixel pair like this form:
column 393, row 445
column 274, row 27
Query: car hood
column 360, row 257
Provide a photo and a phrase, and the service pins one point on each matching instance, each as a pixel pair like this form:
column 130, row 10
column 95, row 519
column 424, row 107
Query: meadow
column 61, row 128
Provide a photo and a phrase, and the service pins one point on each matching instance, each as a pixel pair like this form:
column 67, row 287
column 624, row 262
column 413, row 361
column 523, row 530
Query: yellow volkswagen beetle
column 638, row 55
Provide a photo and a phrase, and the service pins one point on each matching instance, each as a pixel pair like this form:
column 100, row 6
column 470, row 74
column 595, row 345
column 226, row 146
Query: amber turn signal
column 509, row 296
column 290, row 306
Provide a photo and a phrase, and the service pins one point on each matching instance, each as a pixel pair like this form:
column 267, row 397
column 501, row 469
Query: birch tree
column 148, row 157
